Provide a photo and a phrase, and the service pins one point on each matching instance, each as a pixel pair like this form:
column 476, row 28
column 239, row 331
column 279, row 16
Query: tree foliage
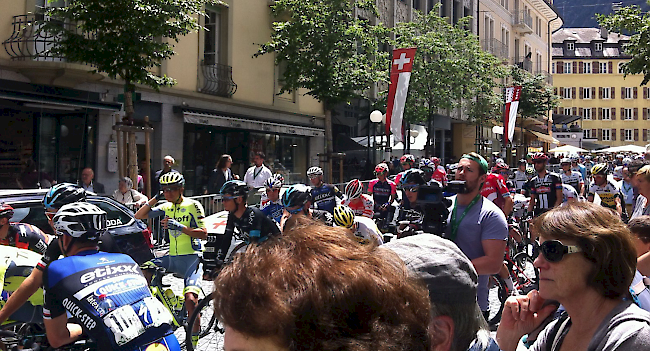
column 327, row 50
column 537, row 97
column 123, row 38
column 631, row 19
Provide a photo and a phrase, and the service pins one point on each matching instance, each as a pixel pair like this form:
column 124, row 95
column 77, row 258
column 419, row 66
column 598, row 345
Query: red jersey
column 440, row 175
column 495, row 189
column 362, row 206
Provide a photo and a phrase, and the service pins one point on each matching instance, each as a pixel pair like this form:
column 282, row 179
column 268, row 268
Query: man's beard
column 472, row 186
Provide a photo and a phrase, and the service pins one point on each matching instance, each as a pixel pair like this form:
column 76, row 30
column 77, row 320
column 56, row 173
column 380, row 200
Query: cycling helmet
column 80, row 220
column 575, row 158
column 540, row 156
column 381, row 168
column 343, row 216
column 273, row 183
column 426, row 163
column 618, row 172
column 565, row 160
column 172, row 178
column 234, row 188
column 601, row 168
column 408, row 158
column 587, row 158
column 63, row 194
column 619, row 156
column 413, row 176
column 6, row 211
column 279, row 177
column 353, row 189
column 627, row 161
column 435, row 160
column 500, row 166
column 314, row 172
column 296, row 195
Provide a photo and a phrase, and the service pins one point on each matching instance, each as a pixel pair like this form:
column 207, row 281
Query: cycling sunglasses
column 229, row 197
column 554, row 250
column 50, row 215
column 411, row 188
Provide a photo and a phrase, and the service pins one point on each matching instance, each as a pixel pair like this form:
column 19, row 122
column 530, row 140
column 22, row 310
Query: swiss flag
column 510, row 117
column 400, row 75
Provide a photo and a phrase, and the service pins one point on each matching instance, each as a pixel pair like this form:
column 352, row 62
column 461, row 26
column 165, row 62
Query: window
column 586, row 93
column 553, row 67
column 586, row 113
column 566, row 93
column 587, row 134
column 567, row 111
column 598, row 46
column 538, row 62
column 606, row 93
column 607, row 135
column 628, row 114
column 628, row 93
column 620, row 67
column 604, row 67
column 568, row 66
column 570, row 46
column 504, row 3
column 212, row 39
column 606, row 114
column 629, row 135
column 586, row 67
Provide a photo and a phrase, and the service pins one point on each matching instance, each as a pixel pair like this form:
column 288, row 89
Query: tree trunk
column 329, row 146
column 132, row 154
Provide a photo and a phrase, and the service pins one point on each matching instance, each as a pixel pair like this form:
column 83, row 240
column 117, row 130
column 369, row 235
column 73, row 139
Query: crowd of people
column 316, row 270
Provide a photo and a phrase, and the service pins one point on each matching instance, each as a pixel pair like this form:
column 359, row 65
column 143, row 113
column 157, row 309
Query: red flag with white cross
column 400, row 75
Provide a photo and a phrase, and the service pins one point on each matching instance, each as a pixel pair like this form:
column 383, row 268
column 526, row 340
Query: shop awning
column 249, row 124
column 38, row 96
column 544, row 137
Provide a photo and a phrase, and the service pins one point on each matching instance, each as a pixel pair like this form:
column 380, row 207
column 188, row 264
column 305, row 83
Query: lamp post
column 412, row 134
column 375, row 117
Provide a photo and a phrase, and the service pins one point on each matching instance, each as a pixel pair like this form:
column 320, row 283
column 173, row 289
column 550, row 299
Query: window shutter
column 645, row 135
column 555, row 110
column 612, row 113
column 634, row 92
column 636, row 114
column 573, row 93
column 595, row 68
column 581, row 93
column 645, row 113
column 600, row 92
column 581, row 67
column 600, row 113
column 613, row 91
column 575, row 67
column 600, row 134
column 610, row 66
column 622, row 92
column 622, row 113
column 555, row 91
column 593, row 133
column 593, row 113
column 574, row 110
column 636, row 134
column 580, row 111
column 612, row 134
column 560, row 67
column 645, row 92
column 593, row 92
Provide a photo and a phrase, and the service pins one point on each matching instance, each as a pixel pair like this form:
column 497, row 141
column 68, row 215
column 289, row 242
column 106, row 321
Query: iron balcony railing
column 524, row 20
column 217, row 79
column 29, row 41
column 524, row 63
column 495, row 47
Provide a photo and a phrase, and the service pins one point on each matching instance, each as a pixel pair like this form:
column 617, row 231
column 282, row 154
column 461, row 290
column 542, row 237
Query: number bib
column 126, row 324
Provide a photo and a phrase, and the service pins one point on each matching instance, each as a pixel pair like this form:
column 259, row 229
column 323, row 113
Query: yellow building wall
column 614, row 80
column 8, row 9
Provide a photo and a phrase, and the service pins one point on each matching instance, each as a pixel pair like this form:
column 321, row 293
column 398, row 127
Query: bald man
column 87, row 176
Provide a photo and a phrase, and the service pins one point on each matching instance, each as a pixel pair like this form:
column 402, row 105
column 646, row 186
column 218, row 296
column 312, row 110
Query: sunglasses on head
column 554, row 250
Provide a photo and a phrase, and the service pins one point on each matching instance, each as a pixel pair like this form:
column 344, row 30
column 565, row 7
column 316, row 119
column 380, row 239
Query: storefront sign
column 236, row 123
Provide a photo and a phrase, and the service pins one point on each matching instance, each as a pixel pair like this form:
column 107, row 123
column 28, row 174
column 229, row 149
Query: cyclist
column 520, row 175
column 58, row 196
column 571, row 177
column 365, row 230
column 296, row 201
column 271, row 204
column 383, row 193
column 606, row 189
column 323, row 196
column 16, row 264
column 426, row 166
column 545, row 188
column 410, row 184
column 577, row 167
column 105, row 294
column 439, row 172
column 183, row 219
column 569, row 194
column 407, row 162
column 588, row 165
column 21, row 235
column 361, row 204
column 494, row 189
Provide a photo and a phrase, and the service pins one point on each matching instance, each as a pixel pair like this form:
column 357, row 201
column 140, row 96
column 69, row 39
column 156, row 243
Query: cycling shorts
column 188, row 266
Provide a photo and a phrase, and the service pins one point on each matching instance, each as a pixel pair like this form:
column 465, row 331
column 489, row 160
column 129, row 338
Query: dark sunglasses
column 169, row 189
column 412, row 188
column 228, row 197
column 554, row 250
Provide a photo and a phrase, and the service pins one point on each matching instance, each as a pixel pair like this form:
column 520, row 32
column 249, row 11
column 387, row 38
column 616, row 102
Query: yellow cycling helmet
column 601, row 168
column 343, row 216
column 172, row 178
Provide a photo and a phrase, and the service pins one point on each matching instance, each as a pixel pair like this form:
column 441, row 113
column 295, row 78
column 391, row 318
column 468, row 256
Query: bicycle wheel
column 497, row 296
column 211, row 333
column 524, row 273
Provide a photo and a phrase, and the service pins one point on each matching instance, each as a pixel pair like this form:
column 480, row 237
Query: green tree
column 327, row 50
column 449, row 71
column 631, row 19
column 537, row 97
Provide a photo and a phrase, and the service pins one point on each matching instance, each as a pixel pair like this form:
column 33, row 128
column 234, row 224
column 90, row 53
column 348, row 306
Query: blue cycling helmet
column 234, row 188
column 63, row 194
column 296, row 195
column 412, row 176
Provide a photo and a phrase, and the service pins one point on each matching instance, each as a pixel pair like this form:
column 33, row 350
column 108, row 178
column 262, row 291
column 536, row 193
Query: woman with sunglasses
column 587, row 263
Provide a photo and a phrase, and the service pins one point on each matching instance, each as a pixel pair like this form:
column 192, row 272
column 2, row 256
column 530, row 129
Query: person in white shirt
column 126, row 195
column 259, row 173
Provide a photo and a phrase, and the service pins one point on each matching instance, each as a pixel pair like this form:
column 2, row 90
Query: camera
column 435, row 206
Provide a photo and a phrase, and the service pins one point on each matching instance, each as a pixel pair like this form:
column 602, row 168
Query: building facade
column 61, row 117
column 588, row 78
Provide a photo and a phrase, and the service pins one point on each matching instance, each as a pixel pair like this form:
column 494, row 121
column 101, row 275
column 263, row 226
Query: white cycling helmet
column 80, row 220
column 314, row 172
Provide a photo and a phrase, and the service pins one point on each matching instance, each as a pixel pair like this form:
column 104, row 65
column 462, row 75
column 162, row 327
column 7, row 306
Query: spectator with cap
column 456, row 322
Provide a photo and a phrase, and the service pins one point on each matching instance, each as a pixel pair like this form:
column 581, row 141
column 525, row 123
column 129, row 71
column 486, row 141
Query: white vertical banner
column 400, row 76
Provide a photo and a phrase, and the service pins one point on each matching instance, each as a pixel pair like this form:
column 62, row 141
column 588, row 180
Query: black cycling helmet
column 234, row 188
column 413, row 176
column 63, row 194
column 296, row 195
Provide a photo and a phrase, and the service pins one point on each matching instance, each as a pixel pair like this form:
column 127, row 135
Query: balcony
column 217, row 79
column 495, row 47
column 524, row 63
column 523, row 23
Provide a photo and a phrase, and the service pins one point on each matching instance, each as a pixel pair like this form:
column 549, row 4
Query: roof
column 586, row 35
column 564, row 119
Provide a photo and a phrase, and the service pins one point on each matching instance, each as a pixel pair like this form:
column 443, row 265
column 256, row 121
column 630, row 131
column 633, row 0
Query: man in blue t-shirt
column 476, row 225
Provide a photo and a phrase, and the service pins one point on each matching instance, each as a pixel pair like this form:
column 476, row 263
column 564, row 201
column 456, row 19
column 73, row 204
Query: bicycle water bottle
column 171, row 298
column 106, row 304
column 180, row 302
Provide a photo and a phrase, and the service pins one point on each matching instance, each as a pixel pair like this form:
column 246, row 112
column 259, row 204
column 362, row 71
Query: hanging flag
column 400, row 75
column 510, row 116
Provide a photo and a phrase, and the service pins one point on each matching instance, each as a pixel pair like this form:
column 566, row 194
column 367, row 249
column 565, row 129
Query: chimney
column 604, row 33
